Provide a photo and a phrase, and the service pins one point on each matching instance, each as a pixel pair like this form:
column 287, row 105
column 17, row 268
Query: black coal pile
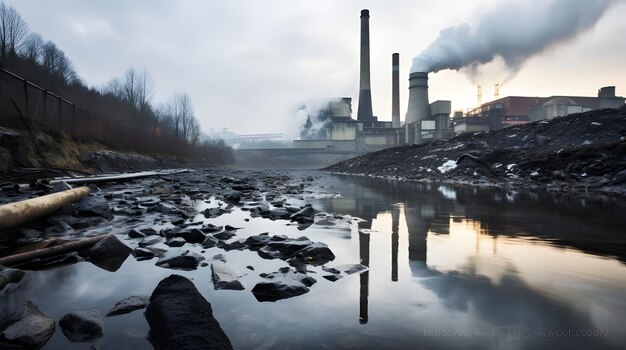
column 583, row 152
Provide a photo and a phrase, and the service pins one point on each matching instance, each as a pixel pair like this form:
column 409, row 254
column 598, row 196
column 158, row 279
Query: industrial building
column 514, row 110
column 343, row 135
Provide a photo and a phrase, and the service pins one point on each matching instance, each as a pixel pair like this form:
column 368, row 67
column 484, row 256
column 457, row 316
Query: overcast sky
column 248, row 65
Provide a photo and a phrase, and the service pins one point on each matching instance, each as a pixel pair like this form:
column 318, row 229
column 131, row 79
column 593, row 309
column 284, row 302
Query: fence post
column 26, row 112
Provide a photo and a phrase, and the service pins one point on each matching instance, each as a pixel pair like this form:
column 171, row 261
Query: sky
column 249, row 65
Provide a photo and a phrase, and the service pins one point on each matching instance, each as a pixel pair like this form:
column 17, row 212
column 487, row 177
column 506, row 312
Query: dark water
column 448, row 269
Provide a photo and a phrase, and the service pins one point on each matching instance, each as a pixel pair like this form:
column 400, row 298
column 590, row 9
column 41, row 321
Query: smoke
column 311, row 120
column 513, row 31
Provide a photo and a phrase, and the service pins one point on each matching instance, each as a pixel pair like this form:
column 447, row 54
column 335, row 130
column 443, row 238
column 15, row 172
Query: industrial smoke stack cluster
column 419, row 108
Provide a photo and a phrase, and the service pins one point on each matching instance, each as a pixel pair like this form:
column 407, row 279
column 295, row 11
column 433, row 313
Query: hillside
column 579, row 153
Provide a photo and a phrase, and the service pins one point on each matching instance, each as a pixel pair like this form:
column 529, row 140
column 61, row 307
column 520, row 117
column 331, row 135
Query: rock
column 82, row 326
column 193, row 235
column 28, row 327
column 209, row 241
column 211, row 213
column 179, row 258
column 136, row 234
column 304, row 215
column 210, row 228
column 315, row 254
column 149, row 232
column 129, row 304
column 180, row 318
column 143, row 254
column 60, row 186
column 257, row 242
column 350, row 269
column 230, row 228
column 175, row 242
column 147, row 241
column 236, row 244
column 283, row 249
column 331, row 270
column 279, row 214
column 160, row 191
column 219, row 257
column 249, row 267
column 620, row 177
column 224, row 235
column 232, row 196
column 108, row 247
column 8, row 275
column 333, row 278
column 282, row 284
column 224, row 277
column 93, row 206
column 170, row 232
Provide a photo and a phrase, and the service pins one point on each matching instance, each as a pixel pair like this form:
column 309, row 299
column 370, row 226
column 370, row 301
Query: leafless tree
column 33, row 48
column 145, row 88
column 55, row 61
column 13, row 30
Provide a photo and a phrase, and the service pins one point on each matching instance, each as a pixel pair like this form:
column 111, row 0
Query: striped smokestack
column 395, row 90
column 418, row 98
column 365, row 93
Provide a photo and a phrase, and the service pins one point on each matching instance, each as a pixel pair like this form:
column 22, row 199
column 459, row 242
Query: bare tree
column 13, row 30
column 55, row 61
column 33, row 48
column 129, row 87
column 145, row 87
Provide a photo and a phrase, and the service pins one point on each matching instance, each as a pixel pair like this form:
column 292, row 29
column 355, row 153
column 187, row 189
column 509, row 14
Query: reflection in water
column 499, row 262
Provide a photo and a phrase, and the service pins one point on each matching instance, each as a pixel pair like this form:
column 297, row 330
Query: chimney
column 418, row 98
column 365, row 94
column 395, row 90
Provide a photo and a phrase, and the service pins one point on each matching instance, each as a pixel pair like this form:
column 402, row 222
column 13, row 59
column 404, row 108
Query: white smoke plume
column 513, row 31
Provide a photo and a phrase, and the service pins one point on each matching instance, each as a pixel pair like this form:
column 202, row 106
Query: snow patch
column 596, row 123
column 447, row 166
column 447, row 192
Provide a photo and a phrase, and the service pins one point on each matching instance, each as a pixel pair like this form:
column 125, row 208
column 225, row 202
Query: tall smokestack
column 395, row 90
column 365, row 93
column 418, row 98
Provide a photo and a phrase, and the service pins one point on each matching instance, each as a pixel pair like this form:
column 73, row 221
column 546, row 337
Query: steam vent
column 365, row 92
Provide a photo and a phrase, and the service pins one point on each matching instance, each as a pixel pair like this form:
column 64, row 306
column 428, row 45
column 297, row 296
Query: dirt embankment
column 579, row 153
column 24, row 156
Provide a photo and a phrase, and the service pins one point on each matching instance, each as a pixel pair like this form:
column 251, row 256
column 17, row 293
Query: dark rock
column 210, row 228
column 147, row 241
column 180, row 318
column 82, row 326
column 620, row 177
column 143, row 254
column 333, row 278
column 8, row 275
column 93, row 206
column 129, row 304
column 233, row 245
column 219, row 257
column 224, row 235
column 257, row 242
column 282, row 284
column 179, row 258
column 304, row 216
column 211, row 213
column 192, row 236
column 232, row 196
column 315, row 254
column 108, row 247
column 249, row 267
column 279, row 214
column 60, row 186
column 331, row 270
column 224, row 277
column 27, row 326
column 135, row 234
column 230, row 228
column 175, row 242
column 209, row 241
column 170, row 232
column 283, row 249
column 350, row 269
column 149, row 232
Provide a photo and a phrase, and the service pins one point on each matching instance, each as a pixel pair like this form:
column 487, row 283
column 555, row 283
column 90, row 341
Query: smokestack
column 365, row 93
column 395, row 90
column 418, row 98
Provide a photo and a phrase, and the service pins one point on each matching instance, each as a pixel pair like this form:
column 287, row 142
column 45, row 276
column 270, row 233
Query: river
column 448, row 268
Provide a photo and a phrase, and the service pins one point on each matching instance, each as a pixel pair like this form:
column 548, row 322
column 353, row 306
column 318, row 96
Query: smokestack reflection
column 395, row 223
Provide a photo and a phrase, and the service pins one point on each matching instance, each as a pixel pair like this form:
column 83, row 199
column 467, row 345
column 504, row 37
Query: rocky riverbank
column 581, row 153
column 167, row 222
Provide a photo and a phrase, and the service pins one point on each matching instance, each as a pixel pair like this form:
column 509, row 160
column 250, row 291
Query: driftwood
column 48, row 252
column 15, row 214
column 115, row 178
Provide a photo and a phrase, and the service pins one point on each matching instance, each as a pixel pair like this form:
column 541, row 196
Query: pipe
column 395, row 90
column 48, row 252
column 15, row 214
column 365, row 93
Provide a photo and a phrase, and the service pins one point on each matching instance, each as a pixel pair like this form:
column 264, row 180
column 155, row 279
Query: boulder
column 209, row 241
column 129, row 304
column 143, row 254
column 175, row 242
column 136, row 234
column 304, row 216
column 232, row 196
column 193, row 235
column 224, row 235
column 28, row 327
column 258, row 241
column 93, row 206
column 210, row 228
column 279, row 214
column 180, row 318
column 315, row 254
column 224, row 277
column 180, row 259
column 107, row 247
column 148, row 241
column 8, row 275
column 282, row 284
column 283, row 249
column 82, row 326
